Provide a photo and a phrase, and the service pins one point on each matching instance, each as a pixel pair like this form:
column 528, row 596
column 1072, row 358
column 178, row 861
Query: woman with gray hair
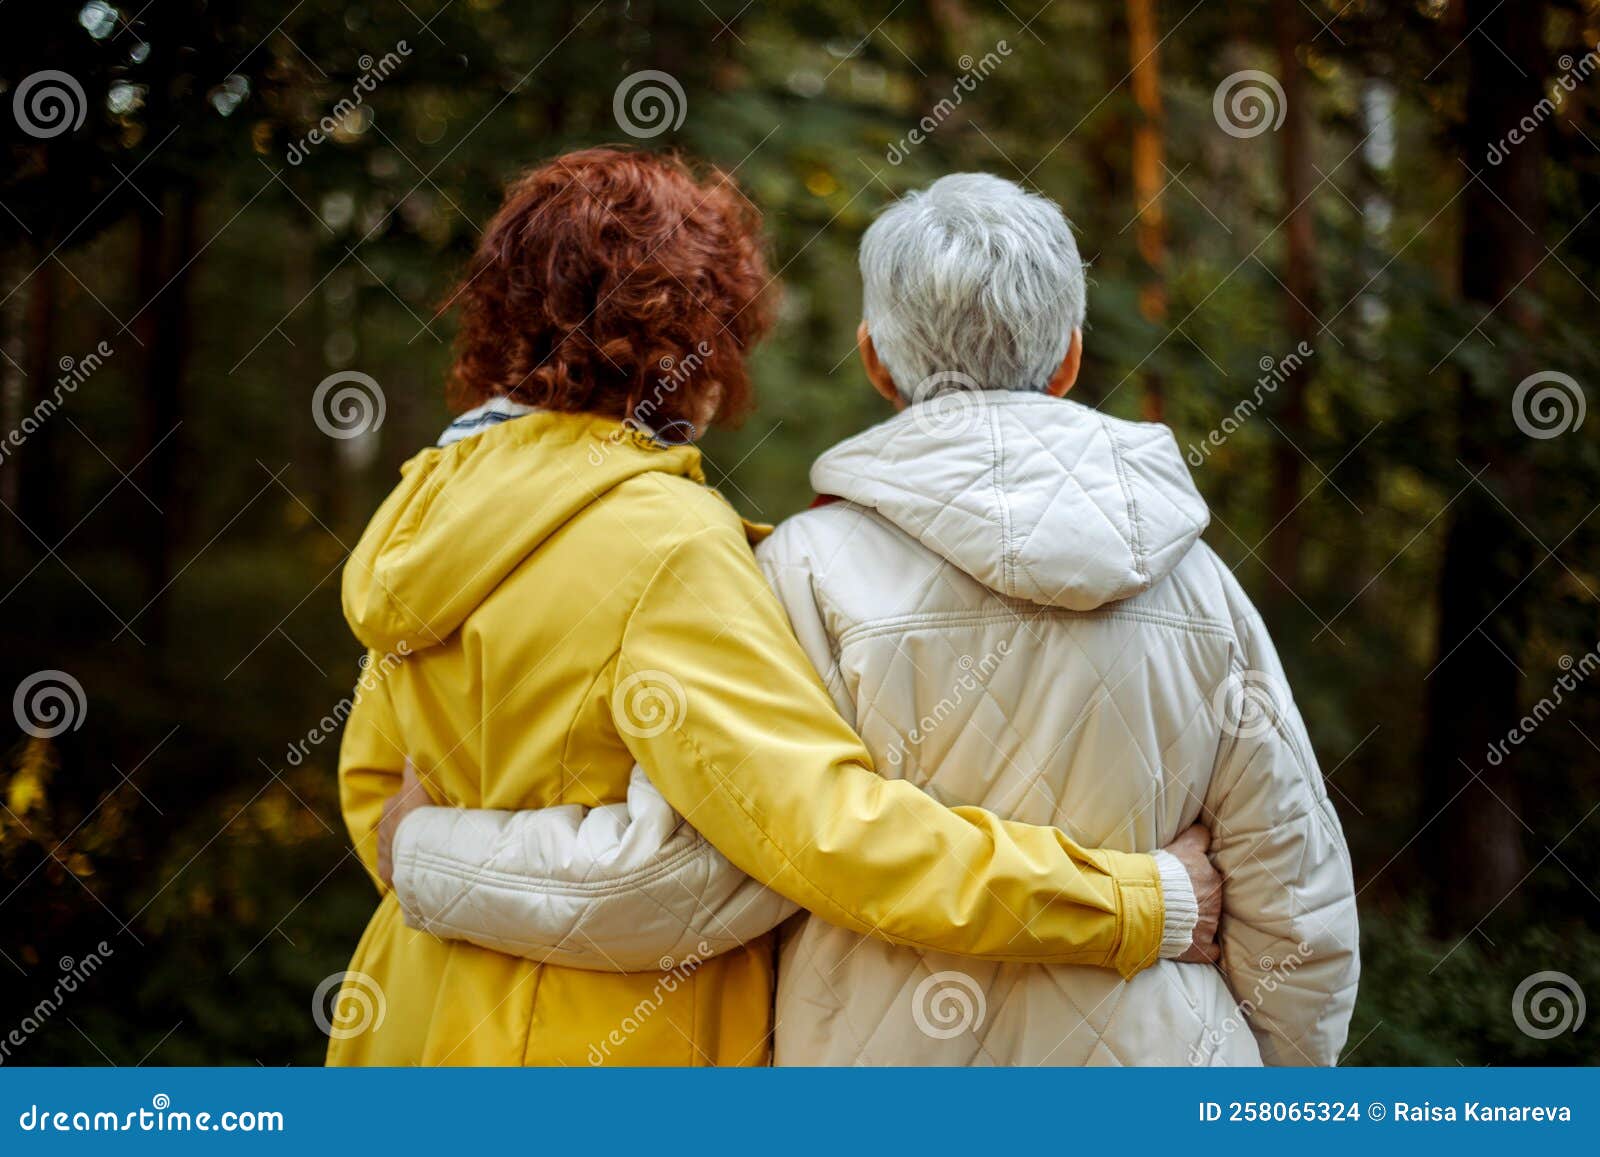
column 1006, row 595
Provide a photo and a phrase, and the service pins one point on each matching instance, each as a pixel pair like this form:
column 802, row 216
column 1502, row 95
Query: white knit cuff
column 1177, row 898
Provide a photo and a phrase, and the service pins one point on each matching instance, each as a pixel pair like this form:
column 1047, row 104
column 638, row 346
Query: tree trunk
column 40, row 459
column 1477, row 857
column 1150, row 226
column 310, row 449
column 1300, row 277
column 13, row 397
column 165, row 266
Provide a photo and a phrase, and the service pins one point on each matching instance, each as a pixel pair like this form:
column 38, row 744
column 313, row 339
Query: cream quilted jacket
column 1010, row 603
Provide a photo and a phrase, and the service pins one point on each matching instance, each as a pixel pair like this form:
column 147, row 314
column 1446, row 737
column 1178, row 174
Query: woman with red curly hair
column 554, row 595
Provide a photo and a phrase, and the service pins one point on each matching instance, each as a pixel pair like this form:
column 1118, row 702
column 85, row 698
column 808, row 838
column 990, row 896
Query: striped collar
column 480, row 418
column 503, row 409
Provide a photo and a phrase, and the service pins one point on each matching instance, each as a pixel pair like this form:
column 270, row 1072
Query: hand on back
column 1190, row 849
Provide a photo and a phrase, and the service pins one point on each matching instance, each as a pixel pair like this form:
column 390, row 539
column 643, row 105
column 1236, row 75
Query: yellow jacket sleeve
column 371, row 763
column 718, row 703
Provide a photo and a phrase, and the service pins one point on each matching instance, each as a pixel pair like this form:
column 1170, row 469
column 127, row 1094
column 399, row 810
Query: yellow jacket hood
column 466, row 515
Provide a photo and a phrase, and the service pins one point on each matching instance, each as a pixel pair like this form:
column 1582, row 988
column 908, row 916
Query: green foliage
column 1427, row 1001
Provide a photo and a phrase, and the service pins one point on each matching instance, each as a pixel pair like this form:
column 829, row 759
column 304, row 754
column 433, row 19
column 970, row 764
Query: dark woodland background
column 172, row 535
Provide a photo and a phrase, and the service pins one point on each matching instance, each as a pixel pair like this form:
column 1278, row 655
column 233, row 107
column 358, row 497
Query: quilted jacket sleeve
column 754, row 756
column 627, row 887
column 791, row 574
column 1288, row 931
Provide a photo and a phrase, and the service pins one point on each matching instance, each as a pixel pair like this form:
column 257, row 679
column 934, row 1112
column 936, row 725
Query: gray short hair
column 973, row 282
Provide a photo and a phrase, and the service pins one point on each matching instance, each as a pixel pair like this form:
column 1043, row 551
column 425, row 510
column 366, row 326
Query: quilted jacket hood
column 1038, row 498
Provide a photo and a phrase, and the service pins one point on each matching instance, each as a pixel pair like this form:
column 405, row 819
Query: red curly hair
column 617, row 283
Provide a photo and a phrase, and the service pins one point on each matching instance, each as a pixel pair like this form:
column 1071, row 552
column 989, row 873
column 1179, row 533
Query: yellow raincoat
column 554, row 599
